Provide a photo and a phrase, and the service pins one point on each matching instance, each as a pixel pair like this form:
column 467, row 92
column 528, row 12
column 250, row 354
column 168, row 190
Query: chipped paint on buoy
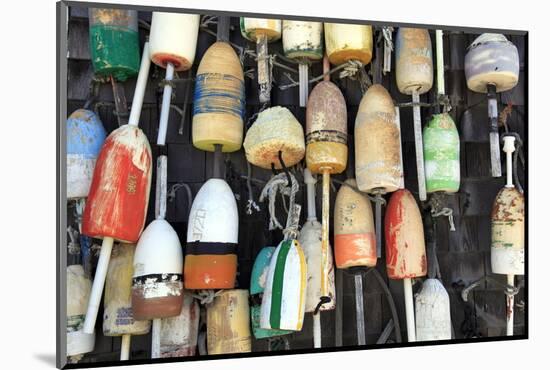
column 346, row 42
column 405, row 248
column 310, row 241
column 178, row 335
column 303, row 40
column 79, row 287
column 219, row 100
column 354, row 237
column 441, row 154
column 377, row 143
column 275, row 129
column 414, row 64
column 119, row 193
column 228, row 323
column 252, row 28
column 433, row 312
column 85, row 137
column 508, row 232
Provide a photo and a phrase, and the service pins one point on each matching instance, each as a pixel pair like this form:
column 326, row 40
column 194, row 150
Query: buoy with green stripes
column 283, row 303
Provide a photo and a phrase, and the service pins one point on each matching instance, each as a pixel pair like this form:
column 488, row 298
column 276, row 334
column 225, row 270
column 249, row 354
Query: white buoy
column 433, row 312
column 78, row 293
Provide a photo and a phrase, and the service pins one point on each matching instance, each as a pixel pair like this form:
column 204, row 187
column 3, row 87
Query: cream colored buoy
column 79, row 287
column 377, row 143
column 276, row 129
column 433, row 312
column 261, row 31
column 228, row 323
column 219, row 100
column 178, row 335
column 118, row 316
column 346, row 42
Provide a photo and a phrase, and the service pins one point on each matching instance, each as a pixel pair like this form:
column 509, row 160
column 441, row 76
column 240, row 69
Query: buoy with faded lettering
column 173, row 40
column 258, row 280
column 114, row 42
column 508, row 233
column 283, row 303
column 85, row 137
column 119, row 192
column 346, row 42
column 118, row 315
column 275, row 129
column 78, row 293
column 414, row 76
column 303, row 42
column 378, row 165
column 178, row 334
column 354, row 237
column 219, row 100
column 405, row 248
column 157, row 285
column 212, row 238
column 441, row 154
column 261, row 31
column 491, row 65
column 228, row 323
column 433, row 312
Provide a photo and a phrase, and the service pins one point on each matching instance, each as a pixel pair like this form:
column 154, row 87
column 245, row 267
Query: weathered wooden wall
column 464, row 255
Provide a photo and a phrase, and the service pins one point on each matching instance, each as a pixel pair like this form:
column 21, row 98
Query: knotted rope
column 279, row 184
column 206, row 296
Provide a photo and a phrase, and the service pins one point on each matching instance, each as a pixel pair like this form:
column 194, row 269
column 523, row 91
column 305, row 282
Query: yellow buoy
column 348, row 42
column 275, row 129
column 219, row 100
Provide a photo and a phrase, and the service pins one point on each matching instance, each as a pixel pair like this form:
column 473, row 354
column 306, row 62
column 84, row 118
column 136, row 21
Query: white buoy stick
column 419, row 146
column 439, row 62
column 125, row 347
column 509, row 148
column 317, row 330
column 97, row 286
column 141, row 84
column 359, row 310
column 409, row 309
column 303, row 70
column 165, row 108
column 155, row 338
column 510, row 308
column 264, row 77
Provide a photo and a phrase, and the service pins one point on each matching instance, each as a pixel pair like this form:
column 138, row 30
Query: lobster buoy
column 491, row 60
column 346, row 42
column 354, row 237
column 414, row 65
column 377, row 143
column 252, row 28
column 507, row 224
column 173, row 39
column 78, row 293
column 178, row 335
column 228, row 323
column 433, row 312
column 326, row 129
column 119, row 193
column 258, row 280
column 114, row 42
column 85, row 136
column 442, row 154
column 283, row 303
column 118, row 315
column 405, row 245
column 302, row 40
column 275, row 129
column 212, row 238
column 219, row 100
column 310, row 241
column 157, row 286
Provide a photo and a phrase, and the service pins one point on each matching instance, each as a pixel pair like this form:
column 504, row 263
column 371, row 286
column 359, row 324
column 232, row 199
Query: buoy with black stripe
column 118, row 315
column 283, row 303
column 258, row 280
column 219, row 100
column 228, row 323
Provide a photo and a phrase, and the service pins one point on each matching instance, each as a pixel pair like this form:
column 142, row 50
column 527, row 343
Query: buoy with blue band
column 258, row 281
column 85, row 137
column 283, row 303
column 219, row 100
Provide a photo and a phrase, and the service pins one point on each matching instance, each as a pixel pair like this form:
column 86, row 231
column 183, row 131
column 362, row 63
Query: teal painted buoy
column 257, row 286
column 442, row 154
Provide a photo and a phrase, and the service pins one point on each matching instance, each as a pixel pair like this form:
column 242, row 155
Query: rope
column 438, row 210
column 206, row 297
column 251, row 203
column 172, row 194
column 509, row 290
column 355, row 70
column 279, row 184
column 74, row 246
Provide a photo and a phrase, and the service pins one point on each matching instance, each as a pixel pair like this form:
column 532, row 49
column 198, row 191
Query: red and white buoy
column 119, row 192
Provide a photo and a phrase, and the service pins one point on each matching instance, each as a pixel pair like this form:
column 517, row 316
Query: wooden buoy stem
column 264, row 80
column 494, row 141
column 217, row 170
column 409, row 309
column 125, row 347
column 510, row 308
column 419, row 146
column 121, row 106
column 440, row 62
column 359, row 310
column 223, row 29
column 303, row 72
column 317, row 330
column 378, row 224
column 141, row 84
column 165, row 108
column 155, row 338
column 324, row 232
